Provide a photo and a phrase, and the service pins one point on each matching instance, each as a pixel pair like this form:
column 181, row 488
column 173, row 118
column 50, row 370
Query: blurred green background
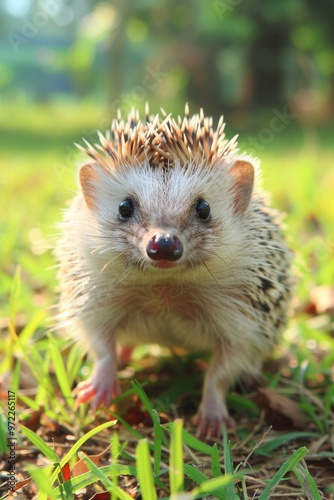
column 67, row 66
column 224, row 55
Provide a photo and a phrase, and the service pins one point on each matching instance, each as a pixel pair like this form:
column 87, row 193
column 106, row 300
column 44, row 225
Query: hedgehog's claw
column 210, row 425
column 99, row 388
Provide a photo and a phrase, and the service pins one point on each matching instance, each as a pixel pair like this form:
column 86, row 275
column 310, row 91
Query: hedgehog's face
column 167, row 239
column 158, row 220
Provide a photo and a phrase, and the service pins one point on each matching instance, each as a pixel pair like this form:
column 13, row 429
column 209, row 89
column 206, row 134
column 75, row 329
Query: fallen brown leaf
column 33, row 422
column 80, row 467
column 20, row 485
column 281, row 412
column 103, row 495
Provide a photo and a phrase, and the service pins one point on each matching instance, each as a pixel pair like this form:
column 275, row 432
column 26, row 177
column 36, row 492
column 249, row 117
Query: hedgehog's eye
column 126, row 209
column 203, row 210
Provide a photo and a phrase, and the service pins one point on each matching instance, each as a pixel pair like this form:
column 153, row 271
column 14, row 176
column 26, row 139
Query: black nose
column 164, row 247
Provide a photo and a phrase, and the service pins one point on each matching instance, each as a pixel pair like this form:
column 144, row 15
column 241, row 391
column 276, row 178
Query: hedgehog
column 171, row 241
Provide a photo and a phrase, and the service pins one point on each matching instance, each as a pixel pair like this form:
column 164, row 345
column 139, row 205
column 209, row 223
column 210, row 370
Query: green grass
column 57, row 482
column 37, row 178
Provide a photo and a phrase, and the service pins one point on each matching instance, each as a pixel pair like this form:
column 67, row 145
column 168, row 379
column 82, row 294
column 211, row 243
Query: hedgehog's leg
column 226, row 365
column 102, row 385
column 213, row 411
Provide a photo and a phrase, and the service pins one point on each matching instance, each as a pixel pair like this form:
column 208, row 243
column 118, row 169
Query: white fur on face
column 165, row 202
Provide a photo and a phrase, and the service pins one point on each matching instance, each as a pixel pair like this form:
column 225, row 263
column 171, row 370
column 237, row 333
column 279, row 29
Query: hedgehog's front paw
column 212, row 413
column 99, row 388
column 209, row 424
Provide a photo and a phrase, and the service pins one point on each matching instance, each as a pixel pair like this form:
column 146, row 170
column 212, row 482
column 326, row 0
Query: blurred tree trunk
column 266, row 63
column 117, row 55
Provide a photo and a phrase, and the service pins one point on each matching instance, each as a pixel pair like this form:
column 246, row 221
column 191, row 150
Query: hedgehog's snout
column 164, row 247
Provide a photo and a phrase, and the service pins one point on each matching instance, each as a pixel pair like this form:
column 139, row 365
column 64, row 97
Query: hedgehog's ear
column 89, row 176
column 243, row 174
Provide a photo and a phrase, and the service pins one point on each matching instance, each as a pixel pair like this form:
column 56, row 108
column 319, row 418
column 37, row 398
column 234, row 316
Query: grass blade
column 115, row 449
column 200, row 478
column 127, row 426
column 30, row 328
column 15, row 294
column 307, row 482
column 176, row 458
column 61, row 374
column 329, row 403
column 73, row 363
column 158, row 437
column 228, row 464
column 267, row 448
column 144, row 471
column 194, row 474
column 15, row 380
column 286, row 467
column 30, row 403
column 105, row 480
column 87, row 478
column 42, row 481
column 3, row 433
column 211, row 486
column 190, row 440
column 83, row 439
column 44, row 448
column 143, row 397
column 215, row 465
